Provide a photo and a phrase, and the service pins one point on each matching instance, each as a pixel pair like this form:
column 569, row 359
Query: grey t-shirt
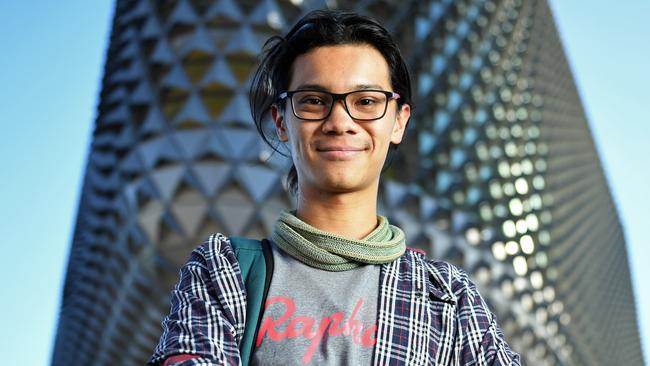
column 317, row 317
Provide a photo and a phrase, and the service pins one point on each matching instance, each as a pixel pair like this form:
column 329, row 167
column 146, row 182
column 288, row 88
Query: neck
column 351, row 215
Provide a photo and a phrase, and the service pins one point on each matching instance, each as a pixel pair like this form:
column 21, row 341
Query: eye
column 313, row 100
column 366, row 101
column 310, row 98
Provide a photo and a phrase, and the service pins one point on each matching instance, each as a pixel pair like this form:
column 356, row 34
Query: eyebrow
column 322, row 88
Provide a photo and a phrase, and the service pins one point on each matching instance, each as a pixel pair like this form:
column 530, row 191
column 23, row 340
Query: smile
column 339, row 152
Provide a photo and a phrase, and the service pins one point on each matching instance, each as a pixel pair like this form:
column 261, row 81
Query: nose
column 339, row 121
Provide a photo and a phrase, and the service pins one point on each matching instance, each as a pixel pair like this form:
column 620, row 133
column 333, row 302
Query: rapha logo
column 307, row 327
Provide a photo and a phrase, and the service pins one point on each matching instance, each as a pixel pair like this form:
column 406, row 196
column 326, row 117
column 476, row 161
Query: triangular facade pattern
column 498, row 174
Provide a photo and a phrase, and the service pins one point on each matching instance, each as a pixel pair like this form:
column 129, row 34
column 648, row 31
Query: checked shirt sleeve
column 480, row 340
column 208, row 305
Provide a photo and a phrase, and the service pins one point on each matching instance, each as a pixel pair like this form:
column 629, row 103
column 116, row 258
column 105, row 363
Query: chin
column 340, row 184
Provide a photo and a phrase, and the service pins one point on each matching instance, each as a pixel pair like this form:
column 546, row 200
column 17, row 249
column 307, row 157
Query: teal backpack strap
column 256, row 264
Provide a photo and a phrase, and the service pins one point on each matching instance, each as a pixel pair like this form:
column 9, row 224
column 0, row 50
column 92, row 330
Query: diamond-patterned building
column 499, row 172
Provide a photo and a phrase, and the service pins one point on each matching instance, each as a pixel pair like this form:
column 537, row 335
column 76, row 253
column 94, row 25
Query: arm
column 493, row 344
column 206, row 317
column 480, row 338
column 177, row 359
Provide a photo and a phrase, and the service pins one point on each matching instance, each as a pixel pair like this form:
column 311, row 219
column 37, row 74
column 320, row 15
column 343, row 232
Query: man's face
column 340, row 154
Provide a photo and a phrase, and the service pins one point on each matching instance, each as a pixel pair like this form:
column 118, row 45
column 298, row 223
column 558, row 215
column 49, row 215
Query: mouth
column 339, row 148
column 339, row 152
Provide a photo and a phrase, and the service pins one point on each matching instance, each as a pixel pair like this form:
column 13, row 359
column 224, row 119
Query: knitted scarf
column 332, row 252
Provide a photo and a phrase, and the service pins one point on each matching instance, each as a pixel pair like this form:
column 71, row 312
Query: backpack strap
column 256, row 264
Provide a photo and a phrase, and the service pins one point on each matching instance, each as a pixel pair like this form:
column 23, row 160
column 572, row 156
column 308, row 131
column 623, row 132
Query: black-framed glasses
column 361, row 105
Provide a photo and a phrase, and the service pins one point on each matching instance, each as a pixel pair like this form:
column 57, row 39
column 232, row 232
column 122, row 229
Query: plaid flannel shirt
column 429, row 313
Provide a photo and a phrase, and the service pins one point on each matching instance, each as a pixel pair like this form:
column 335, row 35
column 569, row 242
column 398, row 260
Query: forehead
column 340, row 68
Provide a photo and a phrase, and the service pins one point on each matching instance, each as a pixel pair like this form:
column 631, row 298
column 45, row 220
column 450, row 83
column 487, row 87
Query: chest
column 417, row 322
column 312, row 316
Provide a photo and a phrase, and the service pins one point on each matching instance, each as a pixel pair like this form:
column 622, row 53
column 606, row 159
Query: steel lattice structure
column 498, row 174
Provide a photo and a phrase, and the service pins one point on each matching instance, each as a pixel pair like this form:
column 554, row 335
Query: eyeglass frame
column 336, row 97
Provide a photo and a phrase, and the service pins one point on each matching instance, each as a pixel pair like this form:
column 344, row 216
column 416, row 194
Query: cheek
column 297, row 138
column 384, row 138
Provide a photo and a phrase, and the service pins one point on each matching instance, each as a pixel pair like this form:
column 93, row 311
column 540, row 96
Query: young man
column 344, row 288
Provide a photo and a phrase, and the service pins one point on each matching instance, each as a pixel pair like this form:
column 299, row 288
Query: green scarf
column 332, row 252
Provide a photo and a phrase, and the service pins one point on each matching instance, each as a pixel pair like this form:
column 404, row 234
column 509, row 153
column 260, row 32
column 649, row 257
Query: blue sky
column 51, row 59
column 609, row 54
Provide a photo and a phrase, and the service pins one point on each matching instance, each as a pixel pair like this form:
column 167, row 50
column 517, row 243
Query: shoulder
column 215, row 252
column 214, row 245
column 478, row 332
column 448, row 278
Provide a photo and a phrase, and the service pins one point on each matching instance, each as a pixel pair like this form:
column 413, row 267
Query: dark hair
column 316, row 29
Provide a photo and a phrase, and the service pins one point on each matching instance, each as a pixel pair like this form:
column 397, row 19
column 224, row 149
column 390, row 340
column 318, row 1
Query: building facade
column 498, row 174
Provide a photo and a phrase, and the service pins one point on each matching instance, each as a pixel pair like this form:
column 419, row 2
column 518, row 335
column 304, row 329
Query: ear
column 399, row 127
column 280, row 126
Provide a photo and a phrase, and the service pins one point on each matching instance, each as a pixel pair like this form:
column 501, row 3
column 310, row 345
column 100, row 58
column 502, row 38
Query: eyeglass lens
column 363, row 104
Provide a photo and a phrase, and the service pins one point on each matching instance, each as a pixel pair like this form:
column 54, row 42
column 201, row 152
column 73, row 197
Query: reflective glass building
column 498, row 174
